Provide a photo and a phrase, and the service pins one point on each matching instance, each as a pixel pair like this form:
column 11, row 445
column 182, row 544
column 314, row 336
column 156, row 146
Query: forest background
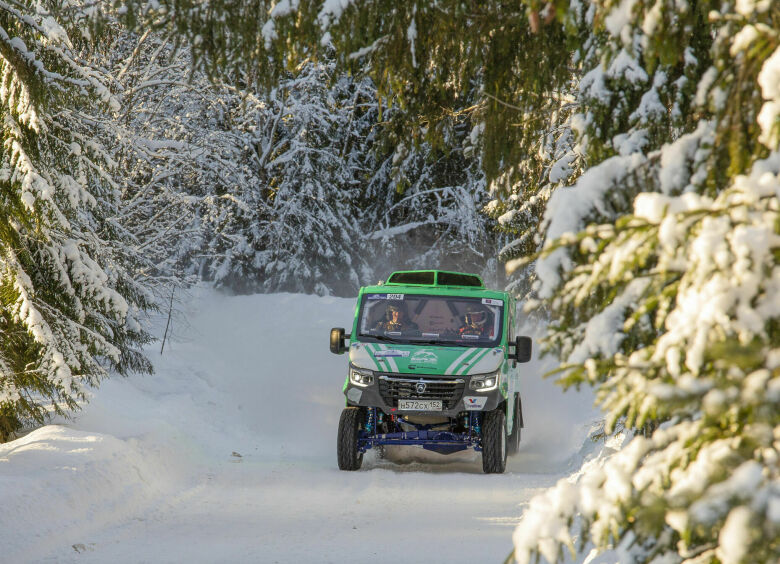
column 622, row 159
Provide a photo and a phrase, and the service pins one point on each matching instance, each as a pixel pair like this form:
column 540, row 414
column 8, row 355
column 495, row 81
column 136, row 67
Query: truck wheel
column 513, row 442
column 494, row 442
column 350, row 458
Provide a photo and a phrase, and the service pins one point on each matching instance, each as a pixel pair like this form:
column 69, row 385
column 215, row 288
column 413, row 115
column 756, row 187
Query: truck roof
column 435, row 282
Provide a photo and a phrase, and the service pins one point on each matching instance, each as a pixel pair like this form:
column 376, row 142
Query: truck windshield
column 438, row 320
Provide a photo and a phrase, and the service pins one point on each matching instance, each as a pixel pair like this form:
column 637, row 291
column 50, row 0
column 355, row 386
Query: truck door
column 513, row 370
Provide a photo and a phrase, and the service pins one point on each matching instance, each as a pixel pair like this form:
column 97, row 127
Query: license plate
column 419, row 405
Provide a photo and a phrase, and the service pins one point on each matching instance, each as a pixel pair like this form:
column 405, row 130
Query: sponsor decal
column 474, row 403
column 376, row 296
column 492, row 302
column 391, row 352
column 380, row 356
column 424, row 357
column 395, row 296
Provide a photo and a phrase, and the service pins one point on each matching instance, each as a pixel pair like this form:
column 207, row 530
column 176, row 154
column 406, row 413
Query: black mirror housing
column 337, row 337
column 523, row 349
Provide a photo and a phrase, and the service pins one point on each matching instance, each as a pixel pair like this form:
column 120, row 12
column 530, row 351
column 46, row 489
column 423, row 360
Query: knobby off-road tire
column 513, row 442
column 494, row 442
column 350, row 458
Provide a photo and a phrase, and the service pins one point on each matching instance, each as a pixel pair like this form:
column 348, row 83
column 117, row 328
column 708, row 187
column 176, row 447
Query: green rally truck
column 432, row 362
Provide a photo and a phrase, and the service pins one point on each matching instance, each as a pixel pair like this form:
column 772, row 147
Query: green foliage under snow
column 68, row 303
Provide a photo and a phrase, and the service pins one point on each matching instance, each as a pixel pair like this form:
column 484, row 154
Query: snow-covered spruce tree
column 157, row 214
column 520, row 193
column 192, row 195
column 68, row 306
column 234, row 215
column 661, row 271
column 425, row 203
column 608, row 105
column 311, row 240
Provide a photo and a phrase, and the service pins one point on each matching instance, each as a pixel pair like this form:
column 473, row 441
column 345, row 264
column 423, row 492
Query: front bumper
column 453, row 391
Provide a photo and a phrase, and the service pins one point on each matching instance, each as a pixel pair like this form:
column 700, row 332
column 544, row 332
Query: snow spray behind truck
column 432, row 362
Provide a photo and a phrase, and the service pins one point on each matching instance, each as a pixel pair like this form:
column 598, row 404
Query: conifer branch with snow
column 69, row 306
column 660, row 270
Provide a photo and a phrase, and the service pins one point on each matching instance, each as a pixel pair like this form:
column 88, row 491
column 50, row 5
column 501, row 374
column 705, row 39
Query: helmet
column 389, row 311
column 475, row 315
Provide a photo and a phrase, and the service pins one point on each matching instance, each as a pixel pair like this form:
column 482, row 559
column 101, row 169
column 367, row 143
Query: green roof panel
column 434, row 278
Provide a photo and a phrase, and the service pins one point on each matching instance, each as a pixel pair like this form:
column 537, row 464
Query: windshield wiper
column 384, row 338
column 441, row 343
column 421, row 342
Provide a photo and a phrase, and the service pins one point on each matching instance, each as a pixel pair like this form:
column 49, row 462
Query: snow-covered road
column 227, row 454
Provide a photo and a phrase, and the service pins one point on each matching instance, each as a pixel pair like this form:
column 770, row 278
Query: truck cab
column 433, row 361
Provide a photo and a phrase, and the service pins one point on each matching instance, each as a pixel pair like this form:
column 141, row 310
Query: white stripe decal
column 473, row 361
column 371, row 356
column 468, row 359
column 452, row 366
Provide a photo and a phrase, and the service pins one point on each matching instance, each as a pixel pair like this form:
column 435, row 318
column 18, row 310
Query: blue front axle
column 442, row 441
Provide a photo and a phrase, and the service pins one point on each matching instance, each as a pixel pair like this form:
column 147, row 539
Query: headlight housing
column 485, row 382
column 361, row 376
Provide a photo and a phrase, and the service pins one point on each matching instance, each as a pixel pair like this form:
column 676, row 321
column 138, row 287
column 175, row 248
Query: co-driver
column 475, row 323
column 395, row 320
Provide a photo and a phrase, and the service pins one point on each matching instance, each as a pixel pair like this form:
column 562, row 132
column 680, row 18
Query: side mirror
column 337, row 337
column 522, row 349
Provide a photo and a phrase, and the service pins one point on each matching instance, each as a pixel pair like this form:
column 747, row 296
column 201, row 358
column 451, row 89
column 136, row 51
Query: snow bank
column 58, row 484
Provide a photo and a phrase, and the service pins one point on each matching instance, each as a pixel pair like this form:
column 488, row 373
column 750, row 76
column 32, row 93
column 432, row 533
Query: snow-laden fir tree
column 425, row 203
column 192, row 195
column 69, row 307
column 661, row 271
column 312, row 240
column 354, row 198
column 157, row 213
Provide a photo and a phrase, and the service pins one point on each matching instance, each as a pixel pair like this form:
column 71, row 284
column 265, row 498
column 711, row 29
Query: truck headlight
column 361, row 377
column 485, row 382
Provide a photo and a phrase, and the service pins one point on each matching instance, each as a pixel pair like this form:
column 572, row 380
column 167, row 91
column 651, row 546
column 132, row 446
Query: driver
column 475, row 322
column 395, row 320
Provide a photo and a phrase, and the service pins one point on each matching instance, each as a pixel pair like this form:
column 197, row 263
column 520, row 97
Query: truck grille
column 392, row 388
